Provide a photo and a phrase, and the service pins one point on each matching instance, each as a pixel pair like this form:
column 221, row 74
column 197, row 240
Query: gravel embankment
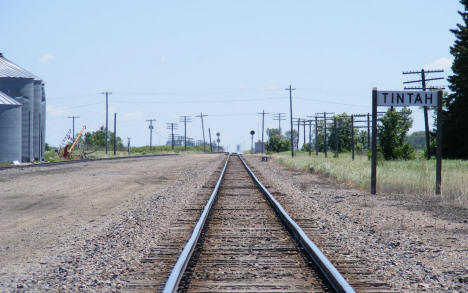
column 86, row 226
column 412, row 243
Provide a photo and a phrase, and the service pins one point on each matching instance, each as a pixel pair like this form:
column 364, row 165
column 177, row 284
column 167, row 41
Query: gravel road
column 84, row 226
column 413, row 243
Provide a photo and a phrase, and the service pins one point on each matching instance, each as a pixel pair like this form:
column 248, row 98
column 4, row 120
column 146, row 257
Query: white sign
column 406, row 98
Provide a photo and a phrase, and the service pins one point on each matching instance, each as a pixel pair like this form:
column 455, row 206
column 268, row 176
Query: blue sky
column 228, row 59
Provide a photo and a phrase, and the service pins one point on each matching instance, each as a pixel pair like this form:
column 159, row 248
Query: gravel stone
column 411, row 242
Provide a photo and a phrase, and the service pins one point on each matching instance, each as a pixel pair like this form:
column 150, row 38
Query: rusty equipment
column 67, row 150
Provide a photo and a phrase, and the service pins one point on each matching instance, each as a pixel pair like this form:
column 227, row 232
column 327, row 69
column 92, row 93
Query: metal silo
column 37, row 111
column 18, row 83
column 43, row 122
column 10, row 129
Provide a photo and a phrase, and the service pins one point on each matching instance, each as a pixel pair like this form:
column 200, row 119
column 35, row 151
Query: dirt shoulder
column 60, row 225
column 412, row 243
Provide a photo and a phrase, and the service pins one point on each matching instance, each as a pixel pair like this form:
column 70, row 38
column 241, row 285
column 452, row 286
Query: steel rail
column 48, row 164
column 334, row 278
column 178, row 270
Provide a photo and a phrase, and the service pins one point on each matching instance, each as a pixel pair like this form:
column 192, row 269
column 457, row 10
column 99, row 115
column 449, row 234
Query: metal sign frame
column 375, row 103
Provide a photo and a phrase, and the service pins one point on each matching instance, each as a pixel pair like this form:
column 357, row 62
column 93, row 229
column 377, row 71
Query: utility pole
column 325, row 132
column 203, row 128
column 263, row 129
column 185, row 119
column 115, row 132
column 290, row 89
column 368, row 131
column 336, row 135
column 128, row 145
column 298, row 131
column 316, row 137
column 352, row 137
column 423, row 87
column 298, row 121
column 310, row 137
column 150, row 127
column 279, row 117
column 171, row 126
column 73, row 124
column 209, row 135
column 304, row 131
column 107, row 117
column 325, row 129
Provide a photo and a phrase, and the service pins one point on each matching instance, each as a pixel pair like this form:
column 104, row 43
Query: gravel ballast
column 86, row 226
column 410, row 242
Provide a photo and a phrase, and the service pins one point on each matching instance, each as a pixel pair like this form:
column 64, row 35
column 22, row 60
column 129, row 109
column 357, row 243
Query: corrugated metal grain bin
column 43, row 122
column 22, row 91
column 25, row 88
column 10, row 129
column 37, row 111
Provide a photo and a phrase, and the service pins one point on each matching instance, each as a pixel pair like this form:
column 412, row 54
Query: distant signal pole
column 151, row 127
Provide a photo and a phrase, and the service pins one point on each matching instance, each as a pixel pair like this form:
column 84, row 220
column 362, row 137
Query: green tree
column 455, row 126
column 276, row 142
column 272, row 131
column 392, row 135
column 287, row 135
column 417, row 140
column 98, row 138
column 343, row 132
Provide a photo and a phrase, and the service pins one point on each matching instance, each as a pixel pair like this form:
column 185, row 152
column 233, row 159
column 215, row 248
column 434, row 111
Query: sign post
column 439, row 143
column 374, row 143
column 404, row 99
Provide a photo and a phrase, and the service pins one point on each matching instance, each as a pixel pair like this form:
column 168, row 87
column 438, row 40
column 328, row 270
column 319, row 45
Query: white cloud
column 58, row 111
column 46, row 58
column 441, row 63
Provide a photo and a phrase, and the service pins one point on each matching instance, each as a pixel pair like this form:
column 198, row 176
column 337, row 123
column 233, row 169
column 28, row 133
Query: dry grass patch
column 416, row 176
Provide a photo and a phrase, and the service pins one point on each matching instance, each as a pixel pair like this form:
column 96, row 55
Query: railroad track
column 47, row 164
column 244, row 241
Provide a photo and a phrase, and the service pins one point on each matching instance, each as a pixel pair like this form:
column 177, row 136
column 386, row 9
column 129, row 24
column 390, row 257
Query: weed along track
column 244, row 241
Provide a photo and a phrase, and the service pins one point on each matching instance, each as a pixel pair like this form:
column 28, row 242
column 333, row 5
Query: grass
column 415, row 176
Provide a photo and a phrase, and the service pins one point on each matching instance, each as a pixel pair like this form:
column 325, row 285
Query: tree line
column 391, row 136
